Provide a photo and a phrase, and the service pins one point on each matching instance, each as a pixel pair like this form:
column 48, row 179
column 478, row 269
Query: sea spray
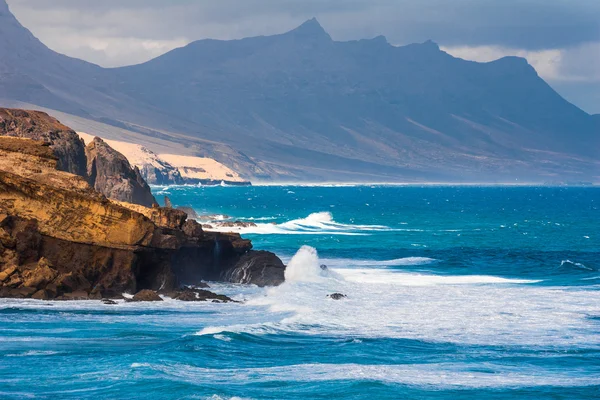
column 305, row 266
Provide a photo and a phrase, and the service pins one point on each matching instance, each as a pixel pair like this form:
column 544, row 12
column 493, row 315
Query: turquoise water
column 453, row 293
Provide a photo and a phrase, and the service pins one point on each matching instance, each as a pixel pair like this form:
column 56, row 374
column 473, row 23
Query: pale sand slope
column 197, row 168
column 201, row 168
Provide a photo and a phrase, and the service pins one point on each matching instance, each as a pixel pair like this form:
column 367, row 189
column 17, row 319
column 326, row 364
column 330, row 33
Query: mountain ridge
column 302, row 106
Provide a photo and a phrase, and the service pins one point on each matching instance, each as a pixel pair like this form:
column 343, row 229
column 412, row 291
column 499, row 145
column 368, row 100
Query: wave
column 34, row 353
column 321, row 223
column 306, row 267
column 575, row 264
column 412, row 279
column 398, row 262
column 445, row 375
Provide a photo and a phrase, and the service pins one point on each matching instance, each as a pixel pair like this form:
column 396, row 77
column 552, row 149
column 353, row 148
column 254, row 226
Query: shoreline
column 383, row 184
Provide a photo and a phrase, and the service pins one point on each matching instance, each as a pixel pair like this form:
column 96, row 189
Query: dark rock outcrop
column 158, row 171
column 236, row 224
column 190, row 294
column 111, row 174
column 337, row 296
column 261, row 268
column 191, row 213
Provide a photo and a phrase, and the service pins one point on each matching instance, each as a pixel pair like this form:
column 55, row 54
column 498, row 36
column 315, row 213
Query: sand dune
column 191, row 169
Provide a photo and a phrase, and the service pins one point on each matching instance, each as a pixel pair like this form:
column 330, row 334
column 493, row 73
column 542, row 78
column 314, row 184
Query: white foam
column 321, row 223
column 437, row 375
column 471, row 309
column 405, row 261
column 212, row 330
column 305, row 267
column 33, row 353
column 576, row 264
column 414, row 279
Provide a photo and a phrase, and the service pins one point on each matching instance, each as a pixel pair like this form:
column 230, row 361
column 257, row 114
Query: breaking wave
column 321, row 223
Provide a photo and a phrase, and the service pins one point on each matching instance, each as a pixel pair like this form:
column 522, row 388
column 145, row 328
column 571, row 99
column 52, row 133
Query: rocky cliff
column 110, row 173
column 60, row 238
column 66, row 144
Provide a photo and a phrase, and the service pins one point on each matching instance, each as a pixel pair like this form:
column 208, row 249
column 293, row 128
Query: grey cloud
column 528, row 24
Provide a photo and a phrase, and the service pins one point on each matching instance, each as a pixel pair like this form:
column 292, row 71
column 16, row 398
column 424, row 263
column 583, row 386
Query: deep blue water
column 453, row 292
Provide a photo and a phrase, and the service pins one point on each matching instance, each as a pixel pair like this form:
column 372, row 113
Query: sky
column 560, row 38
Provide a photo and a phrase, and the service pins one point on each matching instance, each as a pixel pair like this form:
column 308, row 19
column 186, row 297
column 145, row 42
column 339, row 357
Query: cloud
column 522, row 24
column 576, row 64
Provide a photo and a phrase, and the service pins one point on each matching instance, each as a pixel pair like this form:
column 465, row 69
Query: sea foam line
column 439, row 375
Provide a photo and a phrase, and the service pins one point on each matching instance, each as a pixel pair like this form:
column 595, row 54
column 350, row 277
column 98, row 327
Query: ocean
column 452, row 293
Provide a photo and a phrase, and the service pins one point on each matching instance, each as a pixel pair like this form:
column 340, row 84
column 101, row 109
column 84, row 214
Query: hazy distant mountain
column 300, row 105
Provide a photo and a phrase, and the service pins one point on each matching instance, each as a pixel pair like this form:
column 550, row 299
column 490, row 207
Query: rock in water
column 111, row 174
column 147, row 295
column 168, row 203
column 337, row 296
column 261, row 268
column 190, row 294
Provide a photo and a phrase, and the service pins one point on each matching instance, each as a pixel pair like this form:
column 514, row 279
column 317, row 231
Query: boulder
column 21, row 293
column 168, row 203
column 73, row 282
column 109, row 302
column 192, row 229
column 7, row 272
column 147, row 295
column 52, row 290
column 261, row 268
column 14, row 281
column 76, row 295
column 189, row 294
column 41, row 295
column 41, row 276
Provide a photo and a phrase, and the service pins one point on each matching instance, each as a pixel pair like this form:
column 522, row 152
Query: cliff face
column 107, row 170
column 66, row 144
column 111, row 174
column 60, row 238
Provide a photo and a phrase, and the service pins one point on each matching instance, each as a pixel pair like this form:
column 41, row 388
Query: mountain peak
column 309, row 29
column 430, row 44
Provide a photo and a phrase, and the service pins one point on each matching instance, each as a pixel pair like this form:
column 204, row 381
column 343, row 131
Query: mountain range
column 301, row 106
